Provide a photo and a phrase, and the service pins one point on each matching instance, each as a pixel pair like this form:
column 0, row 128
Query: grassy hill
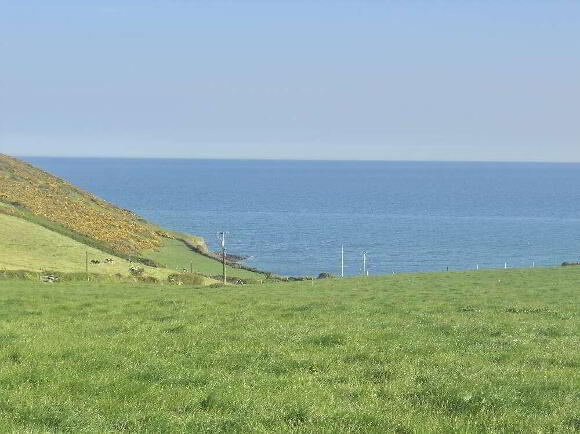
column 485, row 351
column 47, row 223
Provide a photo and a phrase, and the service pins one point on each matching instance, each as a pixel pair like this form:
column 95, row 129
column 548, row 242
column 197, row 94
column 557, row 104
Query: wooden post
column 222, row 236
column 224, row 263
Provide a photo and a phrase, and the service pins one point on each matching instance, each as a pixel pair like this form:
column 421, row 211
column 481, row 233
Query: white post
column 533, row 264
column 224, row 255
column 364, row 263
column 505, row 265
column 477, row 266
column 342, row 260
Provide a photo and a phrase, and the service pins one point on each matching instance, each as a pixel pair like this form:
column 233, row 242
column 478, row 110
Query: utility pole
column 222, row 236
column 342, row 260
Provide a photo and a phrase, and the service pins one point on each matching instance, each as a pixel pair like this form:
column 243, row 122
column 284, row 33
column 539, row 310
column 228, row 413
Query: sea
column 298, row 217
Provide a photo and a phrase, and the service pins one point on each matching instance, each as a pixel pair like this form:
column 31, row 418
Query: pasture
column 487, row 351
column 174, row 254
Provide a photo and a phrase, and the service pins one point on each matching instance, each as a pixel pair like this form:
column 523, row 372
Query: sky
column 469, row 80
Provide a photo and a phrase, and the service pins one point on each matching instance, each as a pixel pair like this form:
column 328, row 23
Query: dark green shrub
column 148, row 262
column 325, row 276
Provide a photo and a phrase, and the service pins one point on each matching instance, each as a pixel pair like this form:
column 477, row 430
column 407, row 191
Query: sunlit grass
column 488, row 351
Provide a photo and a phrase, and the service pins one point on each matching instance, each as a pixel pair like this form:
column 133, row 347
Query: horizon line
column 105, row 157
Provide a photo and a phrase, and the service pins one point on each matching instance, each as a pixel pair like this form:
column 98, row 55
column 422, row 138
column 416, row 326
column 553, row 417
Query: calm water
column 292, row 217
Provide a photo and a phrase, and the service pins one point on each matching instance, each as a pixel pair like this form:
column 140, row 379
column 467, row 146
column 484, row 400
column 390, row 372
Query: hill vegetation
column 480, row 351
column 45, row 196
column 54, row 224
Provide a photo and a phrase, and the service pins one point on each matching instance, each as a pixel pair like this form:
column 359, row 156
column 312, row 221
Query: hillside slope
column 50, row 213
column 54, row 199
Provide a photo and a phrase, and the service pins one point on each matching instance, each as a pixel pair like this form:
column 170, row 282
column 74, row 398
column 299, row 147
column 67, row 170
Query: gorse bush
column 55, row 200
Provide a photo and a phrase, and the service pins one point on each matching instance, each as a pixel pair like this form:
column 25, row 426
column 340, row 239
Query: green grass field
column 487, row 351
column 175, row 255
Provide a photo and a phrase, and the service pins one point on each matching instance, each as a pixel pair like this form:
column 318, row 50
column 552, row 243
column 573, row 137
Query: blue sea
column 291, row 217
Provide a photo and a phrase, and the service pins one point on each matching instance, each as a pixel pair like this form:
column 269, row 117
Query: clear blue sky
column 391, row 80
